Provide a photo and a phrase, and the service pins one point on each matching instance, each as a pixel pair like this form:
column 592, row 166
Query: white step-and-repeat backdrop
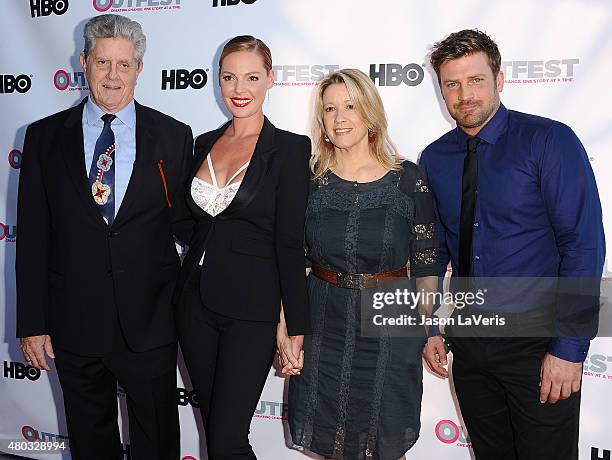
column 556, row 57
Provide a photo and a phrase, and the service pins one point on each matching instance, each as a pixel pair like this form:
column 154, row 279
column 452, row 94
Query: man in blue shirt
column 515, row 196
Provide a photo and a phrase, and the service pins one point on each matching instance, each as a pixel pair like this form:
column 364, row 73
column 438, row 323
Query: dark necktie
column 102, row 171
column 468, row 202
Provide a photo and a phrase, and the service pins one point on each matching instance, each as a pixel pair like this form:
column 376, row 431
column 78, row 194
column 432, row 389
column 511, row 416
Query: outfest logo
column 8, row 233
column 122, row 6
column 301, row 74
column 273, row 410
column 598, row 366
column 32, row 435
column 217, row 3
column 543, row 71
column 68, row 80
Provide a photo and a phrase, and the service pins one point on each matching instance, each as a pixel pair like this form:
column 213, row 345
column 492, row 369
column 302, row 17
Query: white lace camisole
column 211, row 198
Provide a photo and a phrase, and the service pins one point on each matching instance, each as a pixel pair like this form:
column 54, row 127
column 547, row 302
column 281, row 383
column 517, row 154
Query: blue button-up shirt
column 124, row 128
column 537, row 211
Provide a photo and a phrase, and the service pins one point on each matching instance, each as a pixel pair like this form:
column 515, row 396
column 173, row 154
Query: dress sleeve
column 307, row 261
column 444, row 253
column 424, row 252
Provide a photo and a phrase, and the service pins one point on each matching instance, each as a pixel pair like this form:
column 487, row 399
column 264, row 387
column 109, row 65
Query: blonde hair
column 369, row 105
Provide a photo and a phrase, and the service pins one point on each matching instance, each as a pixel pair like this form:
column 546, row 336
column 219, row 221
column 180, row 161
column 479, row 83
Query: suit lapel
column 73, row 152
column 200, row 154
column 203, row 150
column 256, row 171
column 145, row 157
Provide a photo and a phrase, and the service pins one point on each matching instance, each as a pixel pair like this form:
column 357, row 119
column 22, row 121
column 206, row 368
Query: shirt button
column 355, row 184
column 475, row 224
column 477, row 257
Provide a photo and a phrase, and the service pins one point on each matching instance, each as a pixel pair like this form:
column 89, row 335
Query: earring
column 326, row 139
column 371, row 136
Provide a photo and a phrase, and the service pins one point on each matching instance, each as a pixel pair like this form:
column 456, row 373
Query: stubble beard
column 478, row 117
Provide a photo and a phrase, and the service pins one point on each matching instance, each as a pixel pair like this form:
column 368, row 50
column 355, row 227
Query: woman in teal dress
column 369, row 212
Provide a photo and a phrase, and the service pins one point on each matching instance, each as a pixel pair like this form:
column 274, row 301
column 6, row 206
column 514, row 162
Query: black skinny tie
column 468, row 202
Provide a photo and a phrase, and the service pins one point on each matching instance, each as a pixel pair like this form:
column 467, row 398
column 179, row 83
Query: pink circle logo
column 102, row 5
column 447, row 431
column 29, row 433
column 14, row 159
column 61, row 80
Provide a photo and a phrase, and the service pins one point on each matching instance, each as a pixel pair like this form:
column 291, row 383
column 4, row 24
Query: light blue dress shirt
column 124, row 128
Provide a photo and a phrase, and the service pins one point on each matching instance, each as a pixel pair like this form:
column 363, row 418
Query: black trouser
column 497, row 385
column 228, row 361
column 89, row 385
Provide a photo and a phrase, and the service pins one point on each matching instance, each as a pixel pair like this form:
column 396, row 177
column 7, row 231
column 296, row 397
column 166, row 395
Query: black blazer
column 75, row 274
column 254, row 249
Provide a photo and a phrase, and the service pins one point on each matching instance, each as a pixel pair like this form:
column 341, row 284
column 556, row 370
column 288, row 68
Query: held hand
column 290, row 354
column 290, row 361
column 34, row 349
column 434, row 355
column 558, row 379
column 297, row 344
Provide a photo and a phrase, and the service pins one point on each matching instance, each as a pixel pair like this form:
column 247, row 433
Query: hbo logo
column 232, row 2
column 46, row 7
column 605, row 454
column 395, row 74
column 185, row 397
column 10, row 83
column 183, row 79
column 20, row 371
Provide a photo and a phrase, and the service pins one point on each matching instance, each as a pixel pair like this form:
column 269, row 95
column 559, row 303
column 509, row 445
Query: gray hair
column 115, row 26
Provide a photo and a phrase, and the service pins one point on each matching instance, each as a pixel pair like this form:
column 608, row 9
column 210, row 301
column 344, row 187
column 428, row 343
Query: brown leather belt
column 357, row 280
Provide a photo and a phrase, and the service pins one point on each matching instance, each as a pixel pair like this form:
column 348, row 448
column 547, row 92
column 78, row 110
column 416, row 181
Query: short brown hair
column 463, row 43
column 248, row 43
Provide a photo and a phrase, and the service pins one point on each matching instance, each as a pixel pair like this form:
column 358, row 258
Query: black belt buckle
column 350, row 281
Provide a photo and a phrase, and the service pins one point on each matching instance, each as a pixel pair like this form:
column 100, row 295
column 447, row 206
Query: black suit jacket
column 75, row 274
column 254, row 249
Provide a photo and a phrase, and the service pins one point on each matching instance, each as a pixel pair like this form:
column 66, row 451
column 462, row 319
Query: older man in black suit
column 100, row 201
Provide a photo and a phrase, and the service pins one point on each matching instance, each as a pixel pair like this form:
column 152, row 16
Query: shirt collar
column 491, row 131
column 126, row 115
